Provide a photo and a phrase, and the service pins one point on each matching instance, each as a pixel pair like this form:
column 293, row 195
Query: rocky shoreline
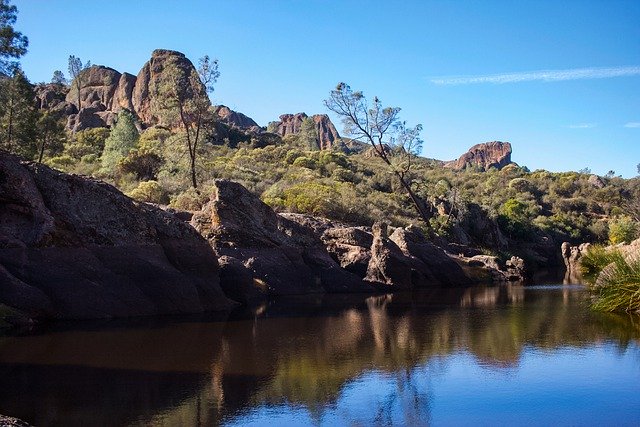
column 72, row 247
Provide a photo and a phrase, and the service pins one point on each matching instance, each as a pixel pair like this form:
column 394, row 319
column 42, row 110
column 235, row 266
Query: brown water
column 481, row 356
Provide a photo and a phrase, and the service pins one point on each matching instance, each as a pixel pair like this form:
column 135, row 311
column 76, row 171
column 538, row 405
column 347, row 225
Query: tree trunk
column 44, row 142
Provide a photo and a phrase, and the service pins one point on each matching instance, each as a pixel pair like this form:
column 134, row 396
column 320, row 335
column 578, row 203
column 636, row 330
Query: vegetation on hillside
column 178, row 163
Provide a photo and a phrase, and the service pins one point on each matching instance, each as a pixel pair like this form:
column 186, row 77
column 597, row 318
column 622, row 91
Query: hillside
column 479, row 203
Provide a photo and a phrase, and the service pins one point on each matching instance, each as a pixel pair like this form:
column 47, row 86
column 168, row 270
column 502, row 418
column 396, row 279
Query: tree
column 638, row 168
column 391, row 140
column 50, row 134
column 308, row 134
column 18, row 115
column 122, row 139
column 76, row 68
column 58, row 78
column 181, row 97
column 12, row 43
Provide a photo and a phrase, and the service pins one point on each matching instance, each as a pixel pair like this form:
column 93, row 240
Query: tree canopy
column 12, row 43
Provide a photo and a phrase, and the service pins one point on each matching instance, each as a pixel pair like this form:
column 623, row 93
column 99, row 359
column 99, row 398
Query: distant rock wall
column 105, row 92
column 494, row 154
column 328, row 136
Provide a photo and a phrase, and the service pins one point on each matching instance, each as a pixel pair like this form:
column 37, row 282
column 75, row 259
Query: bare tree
column 392, row 141
column 76, row 68
column 182, row 98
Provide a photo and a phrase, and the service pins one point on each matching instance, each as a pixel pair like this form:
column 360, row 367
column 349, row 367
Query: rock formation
column 283, row 256
column 484, row 156
column 151, row 77
column 328, row 136
column 75, row 248
column 105, row 92
column 236, row 119
column 571, row 256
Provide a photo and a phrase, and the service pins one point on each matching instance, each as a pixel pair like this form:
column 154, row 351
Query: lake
column 481, row 356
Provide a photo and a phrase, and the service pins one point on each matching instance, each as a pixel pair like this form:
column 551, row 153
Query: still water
column 482, row 356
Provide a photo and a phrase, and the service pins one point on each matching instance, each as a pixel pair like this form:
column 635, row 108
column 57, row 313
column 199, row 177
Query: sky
column 560, row 80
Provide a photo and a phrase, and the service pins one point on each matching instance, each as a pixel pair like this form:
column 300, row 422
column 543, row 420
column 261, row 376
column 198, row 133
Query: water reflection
column 345, row 359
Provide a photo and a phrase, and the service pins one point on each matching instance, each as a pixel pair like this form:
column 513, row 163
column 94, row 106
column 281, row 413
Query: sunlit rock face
column 328, row 137
column 76, row 248
column 494, row 154
column 104, row 92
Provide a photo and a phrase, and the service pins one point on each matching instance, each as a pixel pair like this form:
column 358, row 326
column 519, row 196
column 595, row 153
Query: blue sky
column 285, row 56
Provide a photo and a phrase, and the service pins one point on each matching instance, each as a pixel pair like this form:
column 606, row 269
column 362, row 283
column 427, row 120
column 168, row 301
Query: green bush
column 613, row 279
column 622, row 230
column 149, row 191
column 305, row 162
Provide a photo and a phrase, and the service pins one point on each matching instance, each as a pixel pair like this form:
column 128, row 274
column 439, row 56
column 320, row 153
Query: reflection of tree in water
column 206, row 372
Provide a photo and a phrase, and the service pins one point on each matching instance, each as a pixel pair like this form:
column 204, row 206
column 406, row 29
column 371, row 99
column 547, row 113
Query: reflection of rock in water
column 491, row 296
column 209, row 372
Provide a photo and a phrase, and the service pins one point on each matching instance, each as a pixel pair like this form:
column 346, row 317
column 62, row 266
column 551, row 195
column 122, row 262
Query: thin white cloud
column 582, row 126
column 543, row 75
column 632, row 125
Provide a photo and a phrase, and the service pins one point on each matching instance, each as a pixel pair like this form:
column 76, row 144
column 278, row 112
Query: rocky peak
column 328, row 136
column 105, row 92
column 234, row 118
column 495, row 154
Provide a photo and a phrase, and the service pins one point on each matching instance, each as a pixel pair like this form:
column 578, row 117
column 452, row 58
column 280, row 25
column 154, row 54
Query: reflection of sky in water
column 503, row 355
column 599, row 385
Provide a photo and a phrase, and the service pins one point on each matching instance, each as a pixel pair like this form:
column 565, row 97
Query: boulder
column 283, row 256
column 571, row 256
column 388, row 265
column 99, row 84
column 75, row 248
column 494, row 154
column 487, row 268
column 87, row 118
column 49, row 95
column 434, row 267
column 350, row 247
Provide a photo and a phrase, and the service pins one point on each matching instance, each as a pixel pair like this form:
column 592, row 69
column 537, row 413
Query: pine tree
column 122, row 139
column 18, row 115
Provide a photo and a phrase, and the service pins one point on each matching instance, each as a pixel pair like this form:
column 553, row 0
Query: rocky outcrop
column 571, row 256
column 494, row 154
column 487, row 268
column 105, row 92
column 283, row 256
column 153, row 74
column 75, row 248
column 234, row 118
column 402, row 260
column 328, row 137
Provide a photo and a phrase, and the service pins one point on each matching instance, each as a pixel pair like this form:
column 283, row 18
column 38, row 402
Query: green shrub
column 305, row 162
column 149, row 191
column 613, row 279
column 622, row 230
column 190, row 199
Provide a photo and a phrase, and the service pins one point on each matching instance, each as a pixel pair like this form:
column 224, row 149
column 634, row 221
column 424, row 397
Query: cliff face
column 328, row 136
column 487, row 155
column 75, row 248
